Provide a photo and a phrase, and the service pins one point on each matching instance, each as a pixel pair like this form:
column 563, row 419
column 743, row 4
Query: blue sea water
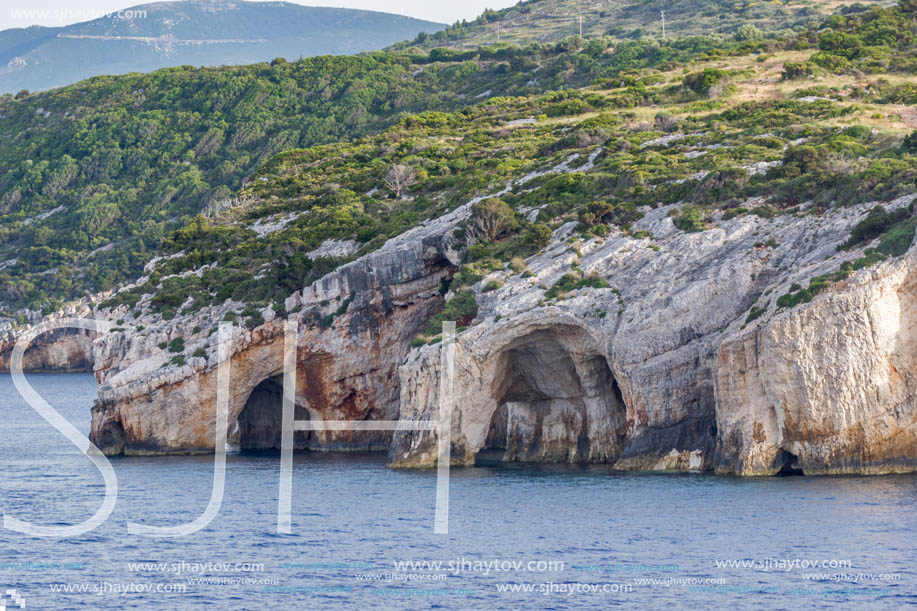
column 350, row 511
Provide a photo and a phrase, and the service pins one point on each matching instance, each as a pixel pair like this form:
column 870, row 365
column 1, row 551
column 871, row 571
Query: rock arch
column 554, row 398
column 259, row 424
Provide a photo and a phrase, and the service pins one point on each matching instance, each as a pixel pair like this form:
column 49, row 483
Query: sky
column 22, row 13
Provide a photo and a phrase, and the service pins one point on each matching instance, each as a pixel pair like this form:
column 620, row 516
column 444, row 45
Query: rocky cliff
column 666, row 370
column 356, row 325
column 661, row 368
column 59, row 351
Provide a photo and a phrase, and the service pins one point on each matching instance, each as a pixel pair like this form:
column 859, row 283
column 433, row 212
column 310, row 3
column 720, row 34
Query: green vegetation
column 895, row 231
column 185, row 163
column 94, row 176
column 572, row 282
column 461, row 308
column 553, row 20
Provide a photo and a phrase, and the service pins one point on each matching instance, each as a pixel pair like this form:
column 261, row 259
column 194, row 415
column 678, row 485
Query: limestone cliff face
column 660, row 370
column 61, row 351
column 356, row 326
column 829, row 388
column 58, row 351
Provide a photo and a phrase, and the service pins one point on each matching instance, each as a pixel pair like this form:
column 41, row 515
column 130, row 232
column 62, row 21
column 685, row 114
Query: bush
column 910, row 143
column 874, row 225
column 490, row 219
column 177, row 345
column 462, row 309
column 748, row 32
column 539, row 235
column 518, row 265
column 796, row 70
column 899, row 238
column 601, row 212
column 701, row 82
column 573, row 282
column 691, row 219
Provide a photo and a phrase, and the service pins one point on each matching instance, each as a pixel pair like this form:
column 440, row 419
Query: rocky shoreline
column 663, row 370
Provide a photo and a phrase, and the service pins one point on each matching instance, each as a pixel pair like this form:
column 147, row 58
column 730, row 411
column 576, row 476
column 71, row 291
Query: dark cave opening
column 789, row 465
column 260, row 423
column 555, row 403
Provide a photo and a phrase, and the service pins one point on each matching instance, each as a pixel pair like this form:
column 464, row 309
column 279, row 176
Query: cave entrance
column 788, row 464
column 557, row 402
column 260, row 423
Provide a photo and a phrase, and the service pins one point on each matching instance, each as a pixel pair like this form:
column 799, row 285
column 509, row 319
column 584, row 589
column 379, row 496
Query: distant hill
column 199, row 33
column 552, row 20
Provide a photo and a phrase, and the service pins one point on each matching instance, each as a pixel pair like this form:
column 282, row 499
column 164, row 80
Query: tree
column 539, row 235
column 910, row 141
column 490, row 219
column 748, row 32
column 399, row 177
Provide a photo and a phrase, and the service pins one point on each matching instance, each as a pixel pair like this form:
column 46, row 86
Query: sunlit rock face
column 59, row 351
column 828, row 388
column 354, row 328
column 666, row 370
column 658, row 367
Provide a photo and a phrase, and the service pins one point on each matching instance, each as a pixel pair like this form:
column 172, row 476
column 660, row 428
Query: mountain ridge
column 212, row 33
column 553, row 20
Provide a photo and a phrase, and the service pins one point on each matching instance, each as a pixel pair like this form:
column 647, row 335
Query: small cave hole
column 260, row 424
column 789, row 465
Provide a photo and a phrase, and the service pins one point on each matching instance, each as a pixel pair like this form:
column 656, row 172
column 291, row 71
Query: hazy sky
column 62, row 12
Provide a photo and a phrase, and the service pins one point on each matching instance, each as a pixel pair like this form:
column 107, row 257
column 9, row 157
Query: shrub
column 755, row 313
column 874, row 225
column 572, row 282
column 177, row 345
column 253, row 316
column 796, row 70
column 898, row 239
column 601, row 212
column 701, row 82
column 518, row 265
column 490, row 219
column 910, row 143
column 539, row 235
column 691, row 219
column 462, row 308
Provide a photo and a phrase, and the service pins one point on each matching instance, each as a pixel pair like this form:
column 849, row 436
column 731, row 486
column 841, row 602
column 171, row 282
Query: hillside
column 700, row 265
column 95, row 176
column 198, row 33
column 553, row 20
column 761, row 135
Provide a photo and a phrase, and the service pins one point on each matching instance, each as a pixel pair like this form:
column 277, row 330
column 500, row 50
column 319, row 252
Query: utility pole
column 663, row 25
